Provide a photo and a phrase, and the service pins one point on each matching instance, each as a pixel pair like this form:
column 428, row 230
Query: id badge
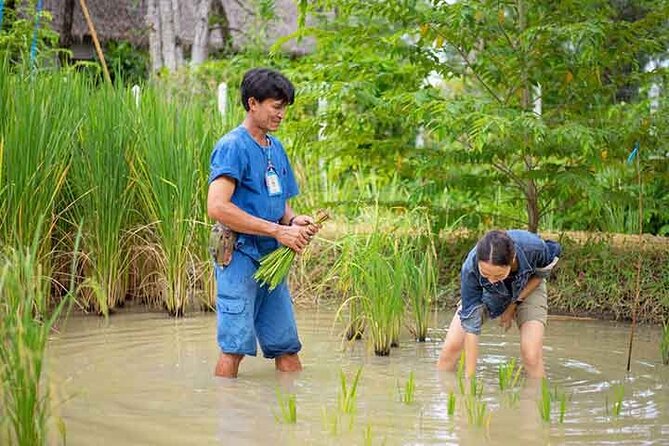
column 273, row 183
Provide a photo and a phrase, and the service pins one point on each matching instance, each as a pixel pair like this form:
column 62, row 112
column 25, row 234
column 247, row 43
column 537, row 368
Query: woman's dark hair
column 495, row 247
column 264, row 83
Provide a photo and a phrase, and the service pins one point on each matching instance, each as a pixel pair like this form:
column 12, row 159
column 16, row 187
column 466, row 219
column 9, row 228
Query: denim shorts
column 246, row 312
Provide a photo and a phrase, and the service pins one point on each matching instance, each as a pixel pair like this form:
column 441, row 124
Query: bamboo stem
column 638, row 264
column 96, row 42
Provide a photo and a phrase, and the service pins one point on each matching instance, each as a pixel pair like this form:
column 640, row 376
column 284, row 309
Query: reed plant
column 25, row 331
column 407, row 394
column 287, row 403
column 100, row 192
column 165, row 170
column 664, row 344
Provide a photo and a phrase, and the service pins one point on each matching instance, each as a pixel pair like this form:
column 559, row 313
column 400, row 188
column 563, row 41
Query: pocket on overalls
column 231, row 305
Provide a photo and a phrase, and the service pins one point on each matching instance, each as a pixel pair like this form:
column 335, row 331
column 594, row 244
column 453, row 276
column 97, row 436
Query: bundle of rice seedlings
column 275, row 266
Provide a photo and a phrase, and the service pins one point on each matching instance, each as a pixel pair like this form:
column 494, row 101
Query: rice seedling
column 274, row 266
column 547, row 399
column 331, row 421
column 664, row 344
column 560, row 398
column 166, row 171
column 367, row 436
column 287, row 403
column 544, row 403
column 618, row 396
column 99, row 188
column 460, row 373
column 348, row 393
column 25, row 332
column 450, row 407
column 508, row 375
column 406, row 395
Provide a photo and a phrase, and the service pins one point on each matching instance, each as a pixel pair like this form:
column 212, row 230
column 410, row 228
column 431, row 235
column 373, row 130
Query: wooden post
column 96, row 42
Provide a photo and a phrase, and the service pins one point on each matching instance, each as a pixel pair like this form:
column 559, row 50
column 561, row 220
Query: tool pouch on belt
column 222, row 243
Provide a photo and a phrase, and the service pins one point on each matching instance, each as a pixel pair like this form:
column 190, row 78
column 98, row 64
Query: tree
column 525, row 94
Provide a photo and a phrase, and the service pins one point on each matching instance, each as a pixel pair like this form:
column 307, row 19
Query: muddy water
column 141, row 379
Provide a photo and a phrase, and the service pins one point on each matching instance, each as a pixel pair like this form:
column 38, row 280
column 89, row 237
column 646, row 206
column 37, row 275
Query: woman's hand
column 507, row 317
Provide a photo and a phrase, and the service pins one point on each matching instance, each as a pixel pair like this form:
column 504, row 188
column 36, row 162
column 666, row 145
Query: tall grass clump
column 379, row 294
column 24, row 332
column 166, row 169
column 37, row 121
column 344, row 272
column 422, row 281
column 99, row 186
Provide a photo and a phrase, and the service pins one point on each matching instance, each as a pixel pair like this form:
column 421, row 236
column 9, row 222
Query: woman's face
column 494, row 273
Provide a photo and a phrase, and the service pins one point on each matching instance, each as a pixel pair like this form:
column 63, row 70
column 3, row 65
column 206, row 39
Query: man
column 503, row 275
column 250, row 182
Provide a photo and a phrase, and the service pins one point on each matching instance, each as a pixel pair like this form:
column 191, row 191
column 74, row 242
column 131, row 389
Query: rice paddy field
column 106, row 294
column 142, row 378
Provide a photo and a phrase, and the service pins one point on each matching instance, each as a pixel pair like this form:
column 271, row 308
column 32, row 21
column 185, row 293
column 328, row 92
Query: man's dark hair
column 264, row 83
column 495, row 247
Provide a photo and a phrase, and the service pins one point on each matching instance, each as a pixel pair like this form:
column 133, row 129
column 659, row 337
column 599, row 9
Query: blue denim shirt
column 535, row 257
column 238, row 156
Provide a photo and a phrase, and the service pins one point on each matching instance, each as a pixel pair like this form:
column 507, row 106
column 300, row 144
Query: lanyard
column 268, row 153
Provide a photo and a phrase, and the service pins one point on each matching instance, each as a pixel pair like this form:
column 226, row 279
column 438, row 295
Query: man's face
column 268, row 114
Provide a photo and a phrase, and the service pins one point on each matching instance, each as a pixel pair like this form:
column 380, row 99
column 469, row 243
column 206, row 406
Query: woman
column 503, row 276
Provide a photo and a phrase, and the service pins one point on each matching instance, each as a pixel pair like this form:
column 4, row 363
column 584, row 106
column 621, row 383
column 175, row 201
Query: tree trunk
column 167, row 36
column 155, row 46
column 532, row 200
column 178, row 41
column 201, row 40
column 66, row 30
column 531, row 192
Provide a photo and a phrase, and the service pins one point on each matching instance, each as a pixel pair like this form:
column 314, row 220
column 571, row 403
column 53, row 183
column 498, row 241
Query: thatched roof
column 126, row 20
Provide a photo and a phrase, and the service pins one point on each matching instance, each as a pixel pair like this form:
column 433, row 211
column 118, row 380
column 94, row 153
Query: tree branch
column 469, row 65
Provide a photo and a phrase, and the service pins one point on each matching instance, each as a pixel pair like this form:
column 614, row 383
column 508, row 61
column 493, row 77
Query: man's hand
column 309, row 223
column 294, row 237
column 507, row 317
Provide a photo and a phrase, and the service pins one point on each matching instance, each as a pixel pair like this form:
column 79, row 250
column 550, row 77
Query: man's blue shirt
column 238, row 156
column 534, row 256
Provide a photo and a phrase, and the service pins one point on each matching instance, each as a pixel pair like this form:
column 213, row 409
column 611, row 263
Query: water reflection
column 146, row 379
